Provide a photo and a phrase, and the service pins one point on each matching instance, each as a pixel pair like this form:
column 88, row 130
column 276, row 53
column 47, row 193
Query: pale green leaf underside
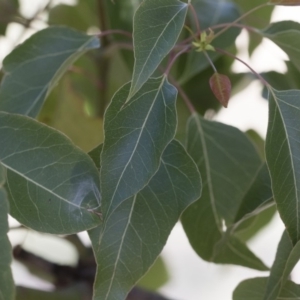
column 287, row 257
column 254, row 289
column 52, row 184
column 136, row 134
column 135, row 233
column 33, row 68
column 228, row 163
column 286, row 35
column 156, row 28
column 283, row 157
column 7, row 289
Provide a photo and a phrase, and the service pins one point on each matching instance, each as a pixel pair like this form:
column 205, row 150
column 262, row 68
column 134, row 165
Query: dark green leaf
column 229, row 163
column 211, row 13
column 53, row 185
column 136, row 133
column 286, row 35
column 7, row 288
column 134, row 234
column 254, row 289
column 282, row 152
column 287, row 257
column 165, row 18
column 95, row 155
column 34, row 68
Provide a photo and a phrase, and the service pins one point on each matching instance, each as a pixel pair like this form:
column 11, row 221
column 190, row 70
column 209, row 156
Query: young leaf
column 285, row 2
column 211, row 13
column 254, row 289
column 53, row 185
column 228, row 163
column 132, row 237
column 282, row 152
column 33, row 68
column 287, row 257
column 136, row 134
column 286, row 35
column 7, row 288
column 221, row 87
column 165, row 18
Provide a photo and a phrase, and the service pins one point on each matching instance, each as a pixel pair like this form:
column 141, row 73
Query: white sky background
column 191, row 277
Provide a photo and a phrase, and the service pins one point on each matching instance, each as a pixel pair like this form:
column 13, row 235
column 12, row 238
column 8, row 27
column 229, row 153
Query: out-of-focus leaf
column 136, row 134
column 8, row 10
column 78, row 292
column 156, row 277
column 211, row 13
column 95, row 155
column 286, row 35
column 166, row 19
column 228, row 163
column 81, row 16
column 254, row 289
column 285, row 2
column 53, row 185
column 7, row 288
column 282, row 152
column 64, row 111
column 134, row 234
column 221, row 87
column 258, row 142
column 286, row 258
column 33, row 68
column 258, row 19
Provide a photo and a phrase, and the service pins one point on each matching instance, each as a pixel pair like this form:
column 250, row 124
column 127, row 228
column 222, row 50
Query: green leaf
column 258, row 19
column 136, row 134
column 282, row 152
column 95, row 155
column 258, row 196
column 211, row 13
column 53, row 185
column 165, row 18
column 135, row 233
column 228, row 163
column 287, row 257
column 7, row 288
column 33, row 68
column 285, row 2
column 254, row 288
column 286, row 35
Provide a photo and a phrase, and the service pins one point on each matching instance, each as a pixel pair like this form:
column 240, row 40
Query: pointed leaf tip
column 221, row 87
column 285, row 2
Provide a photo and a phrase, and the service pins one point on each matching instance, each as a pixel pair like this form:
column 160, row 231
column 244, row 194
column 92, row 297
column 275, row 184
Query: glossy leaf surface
column 287, row 257
column 33, row 68
column 136, row 134
column 166, row 19
column 282, row 154
column 254, row 289
column 134, row 234
column 286, row 34
column 228, row 163
column 7, row 289
column 53, row 185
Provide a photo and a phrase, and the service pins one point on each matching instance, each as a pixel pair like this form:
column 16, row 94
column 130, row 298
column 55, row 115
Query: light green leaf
column 7, row 288
column 211, row 13
column 53, row 185
column 287, row 257
column 165, row 19
column 286, row 35
column 136, row 134
column 254, row 288
column 33, row 68
column 282, row 154
column 134, row 234
column 229, row 164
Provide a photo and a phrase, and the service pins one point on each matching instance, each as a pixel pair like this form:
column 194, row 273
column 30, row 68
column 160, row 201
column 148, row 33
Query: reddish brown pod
column 221, row 87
